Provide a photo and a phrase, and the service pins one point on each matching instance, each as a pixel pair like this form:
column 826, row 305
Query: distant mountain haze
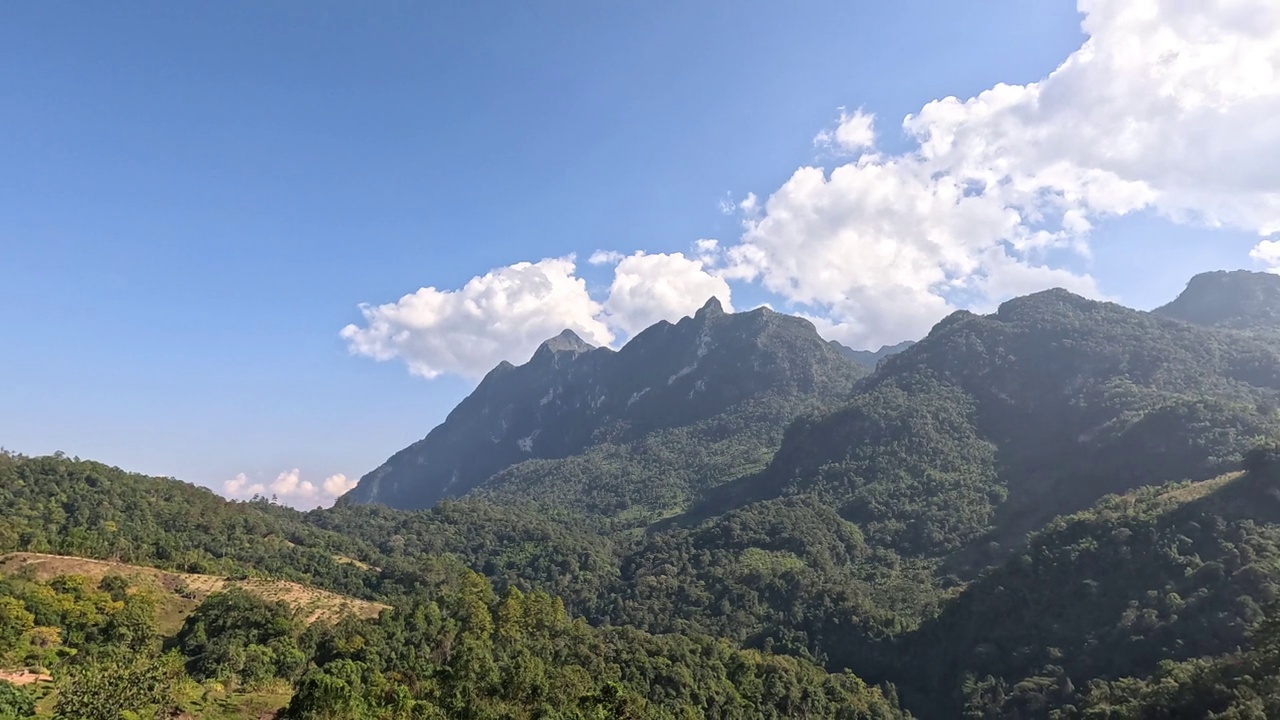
column 869, row 358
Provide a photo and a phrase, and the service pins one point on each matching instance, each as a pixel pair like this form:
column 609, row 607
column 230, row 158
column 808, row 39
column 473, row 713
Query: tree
column 15, row 621
column 106, row 690
column 15, row 702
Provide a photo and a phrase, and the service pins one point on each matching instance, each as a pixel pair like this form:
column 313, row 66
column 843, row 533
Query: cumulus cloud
column 1268, row 252
column 651, row 287
column 502, row 315
column 853, row 133
column 708, row 251
column 506, row 313
column 1168, row 107
column 290, row 489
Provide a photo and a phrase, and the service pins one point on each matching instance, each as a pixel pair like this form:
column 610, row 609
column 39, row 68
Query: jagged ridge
column 571, row 396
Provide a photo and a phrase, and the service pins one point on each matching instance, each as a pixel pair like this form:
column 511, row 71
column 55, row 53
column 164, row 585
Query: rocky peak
column 566, row 342
column 711, row 308
column 570, row 396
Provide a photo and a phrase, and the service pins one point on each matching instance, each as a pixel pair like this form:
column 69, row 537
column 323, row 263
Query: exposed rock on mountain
column 570, row 397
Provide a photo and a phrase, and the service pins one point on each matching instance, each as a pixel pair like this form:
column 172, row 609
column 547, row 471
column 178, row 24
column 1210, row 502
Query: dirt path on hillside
column 23, row 677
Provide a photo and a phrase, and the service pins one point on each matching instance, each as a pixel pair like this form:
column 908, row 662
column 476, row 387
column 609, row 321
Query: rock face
column 570, row 396
column 1240, row 300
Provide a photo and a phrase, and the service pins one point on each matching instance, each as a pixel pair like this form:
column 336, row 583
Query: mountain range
column 943, row 461
column 571, row 397
column 1065, row 508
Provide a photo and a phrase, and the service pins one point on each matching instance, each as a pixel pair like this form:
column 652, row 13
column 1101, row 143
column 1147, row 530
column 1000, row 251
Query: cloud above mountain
column 506, row 313
column 501, row 315
column 290, row 489
column 1168, row 107
column 647, row 288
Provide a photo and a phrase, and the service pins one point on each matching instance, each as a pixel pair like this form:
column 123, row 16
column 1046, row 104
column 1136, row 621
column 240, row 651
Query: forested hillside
column 992, row 425
column 1173, row 573
column 876, row 516
column 1066, row 508
column 447, row 646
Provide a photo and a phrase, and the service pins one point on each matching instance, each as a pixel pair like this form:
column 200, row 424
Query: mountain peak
column 566, row 341
column 711, row 307
column 1238, row 299
column 570, row 397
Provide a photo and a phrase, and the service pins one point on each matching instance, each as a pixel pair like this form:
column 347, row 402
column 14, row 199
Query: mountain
column 876, row 505
column 879, row 508
column 867, row 358
column 992, row 425
column 570, row 397
column 1065, row 508
column 1239, row 299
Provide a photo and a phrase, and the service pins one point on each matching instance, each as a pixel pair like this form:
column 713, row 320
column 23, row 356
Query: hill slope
column 183, row 592
column 1158, row 574
column 449, row 646
column 65, row 506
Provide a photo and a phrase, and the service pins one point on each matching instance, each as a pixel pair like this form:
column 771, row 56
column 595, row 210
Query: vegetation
column 472, row 654
column 448, row 646
column 1064, row 509
column 68, row 506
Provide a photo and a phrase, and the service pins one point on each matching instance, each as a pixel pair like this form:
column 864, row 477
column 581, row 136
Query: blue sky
column 197, row 198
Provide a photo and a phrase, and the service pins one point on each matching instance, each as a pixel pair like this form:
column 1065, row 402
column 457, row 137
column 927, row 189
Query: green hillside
column 444, row 643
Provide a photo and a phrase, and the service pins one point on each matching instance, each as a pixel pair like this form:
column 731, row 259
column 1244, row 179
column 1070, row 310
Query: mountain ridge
column 570, row 396
column 1237, row 299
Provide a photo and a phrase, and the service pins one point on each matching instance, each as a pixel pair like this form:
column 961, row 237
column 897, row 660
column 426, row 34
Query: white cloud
column 708, row 251
column 290, row 489
column 240, row 487
column 1267, row 251
column 337, row 484
column 1168, row 106
column 651, row 287
column 506, row 313
column 605, row 257
column 853, row 133
column 502, row 315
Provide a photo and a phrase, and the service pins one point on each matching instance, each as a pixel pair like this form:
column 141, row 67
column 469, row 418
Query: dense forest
column 448, row 647
column 1066, row 508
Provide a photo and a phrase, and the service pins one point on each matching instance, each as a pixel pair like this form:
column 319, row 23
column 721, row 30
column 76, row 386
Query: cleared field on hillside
column 181, row 593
